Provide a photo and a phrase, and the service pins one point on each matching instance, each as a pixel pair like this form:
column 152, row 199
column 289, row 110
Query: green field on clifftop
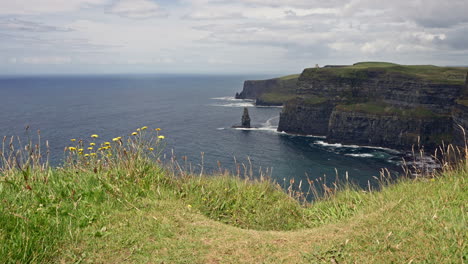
column 128, row 208
column 359, row 72
column 430, row 73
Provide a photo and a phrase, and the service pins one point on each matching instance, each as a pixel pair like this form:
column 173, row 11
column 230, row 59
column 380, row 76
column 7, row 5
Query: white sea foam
column 231, row 98
column 269, row 106
column 361, row 155
column 240, row 104
column 271, row 129
column 339, row 145
column 335, row 145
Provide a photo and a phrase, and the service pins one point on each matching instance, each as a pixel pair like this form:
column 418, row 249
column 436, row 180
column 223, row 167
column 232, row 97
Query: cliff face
column 376, row 106
column 308, row 119
column 274, row 92
column 460, row 118
column 254, row 89
column 387, row 130
column 460, row 124
column 393, row 88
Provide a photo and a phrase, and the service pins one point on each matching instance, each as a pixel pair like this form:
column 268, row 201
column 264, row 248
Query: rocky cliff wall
column 254, row 89
column 272, row 92
column 431, row 102
column 391, row 131
column 460, row 118
column 396, row 89
column 460, row 124
column 307, row 119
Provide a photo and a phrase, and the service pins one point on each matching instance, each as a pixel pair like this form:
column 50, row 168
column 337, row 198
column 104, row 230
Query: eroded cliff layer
column 306, row 118
column 460, row 124
column 389, row 130
column 270, row 92
column 378, row 104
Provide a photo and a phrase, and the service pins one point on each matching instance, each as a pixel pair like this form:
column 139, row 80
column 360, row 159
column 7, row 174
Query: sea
column 195, row 113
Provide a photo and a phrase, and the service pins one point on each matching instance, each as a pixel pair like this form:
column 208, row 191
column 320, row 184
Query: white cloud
column 137, row 9
column 238, row 34
column 28, row 7
column 42, row 60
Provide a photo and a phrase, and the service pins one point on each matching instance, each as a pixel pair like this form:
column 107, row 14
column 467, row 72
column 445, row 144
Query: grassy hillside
column 283, row 92
column 431, row 73
column 120, row 205
column 286, row 88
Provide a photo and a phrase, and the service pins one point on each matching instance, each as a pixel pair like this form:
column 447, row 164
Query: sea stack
column 246, row 118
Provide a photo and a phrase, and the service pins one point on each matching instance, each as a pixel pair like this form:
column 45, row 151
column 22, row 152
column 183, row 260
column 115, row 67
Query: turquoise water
column 196, row 114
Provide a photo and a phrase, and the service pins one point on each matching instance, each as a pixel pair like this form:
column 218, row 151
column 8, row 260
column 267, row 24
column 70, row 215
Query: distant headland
column 371, row 103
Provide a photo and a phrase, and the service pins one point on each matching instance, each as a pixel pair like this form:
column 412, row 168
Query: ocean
column 195, row 113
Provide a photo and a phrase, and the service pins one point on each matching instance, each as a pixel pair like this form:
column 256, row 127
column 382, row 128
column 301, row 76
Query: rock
column 378, row 107
column 271, row 92
column 245, row 118
column 299, row 117
column 388, row 130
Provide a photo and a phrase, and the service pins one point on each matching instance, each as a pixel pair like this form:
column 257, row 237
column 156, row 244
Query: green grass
column 314, row 100
column 463, row 102
column 359, row 72
column 140, row 212
column 290, row 77
column 283, row 92
column 277, row 98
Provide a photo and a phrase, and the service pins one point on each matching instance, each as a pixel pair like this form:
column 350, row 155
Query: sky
column 226, row 36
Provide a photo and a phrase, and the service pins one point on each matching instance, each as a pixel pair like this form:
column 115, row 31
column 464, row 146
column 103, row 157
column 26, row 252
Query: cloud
column 14, row 24
column 240, row 34
column 28, row 7
column 41, row 60
column 139, row 9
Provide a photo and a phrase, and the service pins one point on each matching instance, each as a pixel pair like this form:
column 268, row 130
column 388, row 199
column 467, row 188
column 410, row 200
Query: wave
column 339, row 145
column 241, row 104
column 271, row 129
column 361, row 155
column 231, row 98
column 268, row 122
column 269, row 106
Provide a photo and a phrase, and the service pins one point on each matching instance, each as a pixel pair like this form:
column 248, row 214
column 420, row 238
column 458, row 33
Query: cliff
column 270, row 92
column 380, row 104
column 460, row 117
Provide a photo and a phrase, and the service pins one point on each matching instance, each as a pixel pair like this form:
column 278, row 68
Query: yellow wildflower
column 134, row 133
column 116, row 139
column 99, row 149
column 94, row 136
column 106, row 143
column 138, row 129
column 151, row 149
column 93, row 154
column 72, row 148
column 189, row 206
column 92, row 144
column 161, row 137
column 90, row 148
column 86, row 155
column 80, row 150
column 158, row 129
column 110, row 154
column 72, row 140
column 144, row 128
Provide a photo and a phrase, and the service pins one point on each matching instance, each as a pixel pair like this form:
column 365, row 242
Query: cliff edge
column 372, row 103
column 379, row 104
